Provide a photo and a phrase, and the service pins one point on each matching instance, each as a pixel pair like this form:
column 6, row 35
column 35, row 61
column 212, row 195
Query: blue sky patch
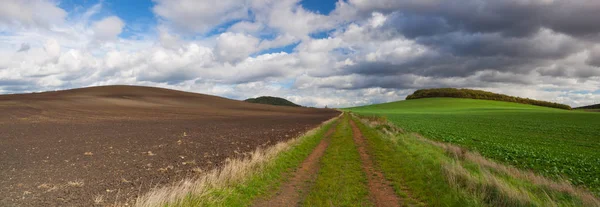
column 288, row 49
column 319, row 6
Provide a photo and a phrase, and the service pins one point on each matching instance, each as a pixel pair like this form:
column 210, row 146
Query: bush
column 478, row 94
column 272, row 101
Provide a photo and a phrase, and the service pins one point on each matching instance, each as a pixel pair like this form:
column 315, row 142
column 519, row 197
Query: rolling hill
column 137, row 101
column 75, row 144
column 272, row 101
column 479, row 94
column 595, row 107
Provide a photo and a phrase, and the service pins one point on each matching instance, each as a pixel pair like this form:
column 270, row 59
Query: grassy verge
column 341, row 180
column 441, row 174
column 240, row 181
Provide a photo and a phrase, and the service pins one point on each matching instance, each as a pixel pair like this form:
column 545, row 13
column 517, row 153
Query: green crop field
column 553, row 142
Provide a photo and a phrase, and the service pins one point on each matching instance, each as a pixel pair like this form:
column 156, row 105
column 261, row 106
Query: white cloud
column 247, row 27
column 288, row 16
column 200, row 16
column 52, row 48
column 29, row 13
column 108, row 28
column 233, row 47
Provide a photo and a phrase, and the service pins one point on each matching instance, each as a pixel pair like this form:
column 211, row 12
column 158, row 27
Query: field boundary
column 215, row 186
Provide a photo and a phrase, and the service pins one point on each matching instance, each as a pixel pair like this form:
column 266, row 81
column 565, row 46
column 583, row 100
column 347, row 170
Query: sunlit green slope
column 551, row 141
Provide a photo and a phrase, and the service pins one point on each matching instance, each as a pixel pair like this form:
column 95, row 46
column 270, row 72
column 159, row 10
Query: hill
column 526, row 136
column 130, row 138
column 128, row 101
column 590, row 107
column 272, row 101
column 479, row 94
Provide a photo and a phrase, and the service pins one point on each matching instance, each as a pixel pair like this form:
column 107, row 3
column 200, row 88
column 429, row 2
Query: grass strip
column 417, row 166
column 341, row 180
column 255, row 181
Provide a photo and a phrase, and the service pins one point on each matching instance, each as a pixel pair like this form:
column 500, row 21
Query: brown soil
column 292, row 192
column 104, row 145
column 380, row 191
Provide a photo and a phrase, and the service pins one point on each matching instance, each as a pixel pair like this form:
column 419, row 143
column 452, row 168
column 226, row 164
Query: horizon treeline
column 479, row 94
column 595, row 106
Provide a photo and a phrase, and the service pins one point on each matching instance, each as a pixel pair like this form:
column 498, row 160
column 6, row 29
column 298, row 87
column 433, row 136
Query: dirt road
column 291, row 193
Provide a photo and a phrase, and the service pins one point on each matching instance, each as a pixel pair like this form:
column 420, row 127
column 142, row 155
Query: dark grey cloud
column 414, row 25
column 594, row 58
column 475, row 43
column 508, row 17
column 407, row 81
column 24, row 47
column 444, row 65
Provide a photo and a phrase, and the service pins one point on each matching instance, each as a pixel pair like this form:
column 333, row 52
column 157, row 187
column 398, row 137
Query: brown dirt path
column 380, row 191
column 292, row 192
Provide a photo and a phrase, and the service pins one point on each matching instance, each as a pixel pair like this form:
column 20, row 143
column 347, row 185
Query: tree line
column 479, row 94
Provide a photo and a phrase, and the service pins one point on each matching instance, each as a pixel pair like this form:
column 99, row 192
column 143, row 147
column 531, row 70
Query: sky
column 312, row 52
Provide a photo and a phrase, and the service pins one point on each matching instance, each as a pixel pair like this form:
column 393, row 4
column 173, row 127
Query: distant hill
column 595, row 107
column 272, row 101
column 479, row 94
column 128, row 102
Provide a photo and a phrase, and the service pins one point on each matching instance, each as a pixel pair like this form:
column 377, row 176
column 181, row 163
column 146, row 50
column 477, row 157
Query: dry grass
column 233, row 172
column 76, row 183
column 98, row 199
column 486, row 187
column 488, row 184
column 489, row 166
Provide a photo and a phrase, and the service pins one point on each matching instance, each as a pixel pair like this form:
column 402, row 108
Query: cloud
column 360, row 53
column 24, row 47
column 594, row 57
column 108, row 28
column 289, row 17
column 16, row 14
column 199, row 16
column 233, row 47
column 509, row 17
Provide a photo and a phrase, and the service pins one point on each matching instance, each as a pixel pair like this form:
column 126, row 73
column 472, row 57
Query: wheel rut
column 293, row 191
column 380, row 191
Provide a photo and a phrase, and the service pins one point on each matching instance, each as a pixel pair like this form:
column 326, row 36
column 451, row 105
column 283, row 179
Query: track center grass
column 341, row 180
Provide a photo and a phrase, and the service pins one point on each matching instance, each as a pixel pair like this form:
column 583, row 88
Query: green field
column 553, row 142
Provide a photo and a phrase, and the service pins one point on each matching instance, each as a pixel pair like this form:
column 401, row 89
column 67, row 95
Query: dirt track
column 291, row 192
column 381, row 192
column 109, row 144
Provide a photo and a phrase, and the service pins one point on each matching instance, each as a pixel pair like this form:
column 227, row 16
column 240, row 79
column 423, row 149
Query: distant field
column 550, row 141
